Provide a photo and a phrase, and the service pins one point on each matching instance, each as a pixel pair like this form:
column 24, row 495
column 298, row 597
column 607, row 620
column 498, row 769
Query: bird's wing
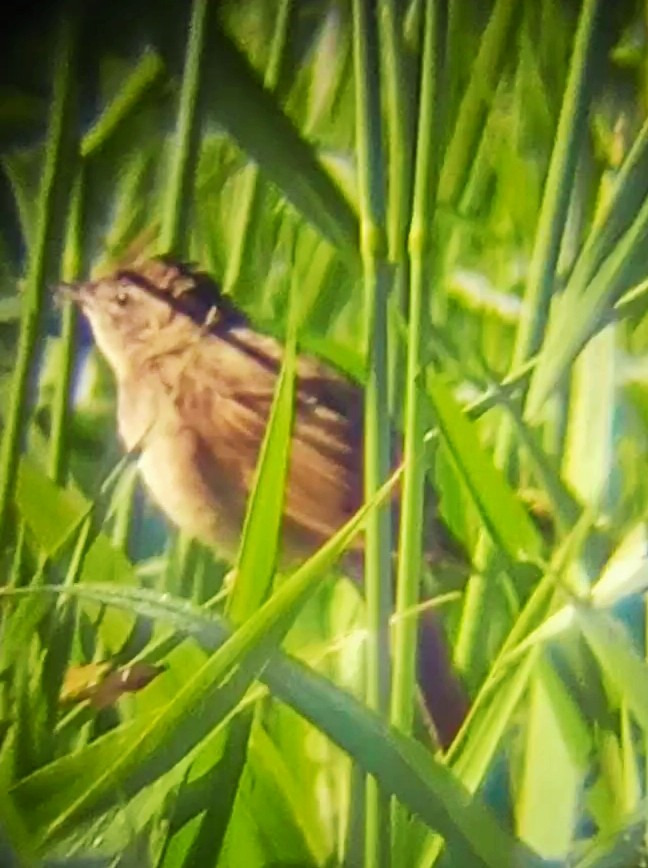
column 227, row 394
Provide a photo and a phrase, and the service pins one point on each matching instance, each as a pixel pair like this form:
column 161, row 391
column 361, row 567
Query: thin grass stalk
column 146, row 74
column 419, row 243
column 397, row 123
column 454, row 62
column 58, row 449
column 615, row 202
column 558, row 185
column 123, row 508
column 411, row 526
column 476, row 100
column 399, row 163
column 377, row 423
column 590, row 309
column 532, row 324
column 248, row 195
column 55, row 180
column 255, row 568
column 72, row 266
column 632, row 303
column 174, row 230
column 61, row 629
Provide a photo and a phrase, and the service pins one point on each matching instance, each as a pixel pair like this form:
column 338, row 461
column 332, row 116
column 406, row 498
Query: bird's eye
column 122, row 298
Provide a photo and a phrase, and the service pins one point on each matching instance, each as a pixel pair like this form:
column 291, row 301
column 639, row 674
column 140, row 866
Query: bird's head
column 151, row 309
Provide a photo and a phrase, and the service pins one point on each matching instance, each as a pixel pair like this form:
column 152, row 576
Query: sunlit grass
column 242, row 752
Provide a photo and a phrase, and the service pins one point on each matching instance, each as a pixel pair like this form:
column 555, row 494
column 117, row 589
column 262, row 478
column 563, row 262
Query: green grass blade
column 145, row 75
column 622, row 201
column 622, row 664
column 581, row 313
column 180, row 192
column 376, row 420
column 56, row 173
column 249, row 198
column 256, row 564
column 502, row 513
column 260, row 542
column 251, row 115
column 555, row 202
column 404, row 768
column 477, row 99
column 61, row 413
column 410, row 541
column 556, row 752
column 173, row 729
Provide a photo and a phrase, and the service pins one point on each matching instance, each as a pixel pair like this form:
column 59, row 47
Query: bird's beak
column 75, row 292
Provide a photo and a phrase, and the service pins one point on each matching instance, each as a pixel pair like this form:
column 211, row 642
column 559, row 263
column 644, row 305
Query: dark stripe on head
column 196, row 301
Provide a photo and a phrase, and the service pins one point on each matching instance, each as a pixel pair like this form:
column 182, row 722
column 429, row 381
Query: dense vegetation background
column 447, row 200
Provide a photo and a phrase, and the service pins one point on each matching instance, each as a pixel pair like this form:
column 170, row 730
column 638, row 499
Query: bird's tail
column 444, row 696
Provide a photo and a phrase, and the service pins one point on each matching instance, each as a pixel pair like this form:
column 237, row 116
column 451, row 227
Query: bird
column 195, row 384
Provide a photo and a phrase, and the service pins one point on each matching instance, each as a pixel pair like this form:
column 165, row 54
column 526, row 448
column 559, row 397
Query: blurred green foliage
column 530, row 243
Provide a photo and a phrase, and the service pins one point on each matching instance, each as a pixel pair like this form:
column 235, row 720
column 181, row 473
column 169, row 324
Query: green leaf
column 402, row 766
column 475, row 755
column 131, row 759
column 580, row 312
column 253, row 117
column 556, row 750
column 625, row 669
column 51, row 513
column 145, row 74
column 260, row 542
column 502, row 513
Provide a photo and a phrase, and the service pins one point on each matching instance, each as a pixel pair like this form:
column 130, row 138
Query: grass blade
column 404, row 768
column 56, row 174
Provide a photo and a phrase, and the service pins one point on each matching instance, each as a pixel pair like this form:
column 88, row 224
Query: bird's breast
column 201, row 508
column 170, row 467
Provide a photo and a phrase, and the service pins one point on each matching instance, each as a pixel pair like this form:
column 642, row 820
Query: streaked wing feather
column 230, row 412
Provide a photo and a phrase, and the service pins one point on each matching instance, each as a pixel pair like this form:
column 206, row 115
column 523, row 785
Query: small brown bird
column 195, row 385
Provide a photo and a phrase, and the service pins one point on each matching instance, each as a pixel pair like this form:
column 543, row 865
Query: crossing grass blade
column 58, row 169
column 219, row 684
column 264, row 132
column 403, row 767
column 502, row 513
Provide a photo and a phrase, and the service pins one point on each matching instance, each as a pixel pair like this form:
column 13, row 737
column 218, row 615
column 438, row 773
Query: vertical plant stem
column 419, row 243
column 377, row 446
column 55, row 180
column 557, row 190
column 174, row 230
column 454, row 60
column 123, row 508
column 476, row 101
column 240, row 235
column 398, row 138
column 399, row 184
column 551, row 222
column 72, row 266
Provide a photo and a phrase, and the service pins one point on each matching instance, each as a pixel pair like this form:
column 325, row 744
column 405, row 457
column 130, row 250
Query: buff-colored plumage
column 195, row 386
